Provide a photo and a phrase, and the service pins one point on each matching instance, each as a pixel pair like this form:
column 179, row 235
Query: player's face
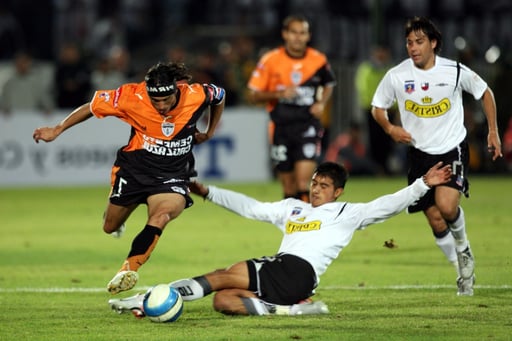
column 163, row 104
column 421, row 49
column 322, row 191
column 296, row 38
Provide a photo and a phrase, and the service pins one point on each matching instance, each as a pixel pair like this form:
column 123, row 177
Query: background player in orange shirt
column 157, row 163
column 295, row 81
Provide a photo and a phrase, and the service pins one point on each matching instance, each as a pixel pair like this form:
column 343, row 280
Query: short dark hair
column 295, row 18
column 426, row 26
column 336, row 172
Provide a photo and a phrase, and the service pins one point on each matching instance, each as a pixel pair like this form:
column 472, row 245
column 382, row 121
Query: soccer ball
column 163, row 303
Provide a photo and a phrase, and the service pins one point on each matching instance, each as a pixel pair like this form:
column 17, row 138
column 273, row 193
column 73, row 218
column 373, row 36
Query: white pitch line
column 330, row 287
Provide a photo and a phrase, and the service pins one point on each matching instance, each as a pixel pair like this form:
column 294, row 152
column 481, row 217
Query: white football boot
column 133, row 304
column 309, row 308
column 122, row 281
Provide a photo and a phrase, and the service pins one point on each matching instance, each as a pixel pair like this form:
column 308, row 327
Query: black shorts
column 281, row 279
column 126, row 190
column 420, row 163
column 295, row 142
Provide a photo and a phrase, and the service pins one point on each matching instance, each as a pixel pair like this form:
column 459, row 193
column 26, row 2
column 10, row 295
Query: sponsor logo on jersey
column 167, row 148
column 409, row 87
column 292, row 227
column 427, row 111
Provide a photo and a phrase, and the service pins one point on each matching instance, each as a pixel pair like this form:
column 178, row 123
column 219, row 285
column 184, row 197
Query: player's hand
column 494, row 145
column 288, row 92
column 400, row 135
column 317, row 110
column 46, row 134
column 438, row 174
column 201, row 137
column 198, row 188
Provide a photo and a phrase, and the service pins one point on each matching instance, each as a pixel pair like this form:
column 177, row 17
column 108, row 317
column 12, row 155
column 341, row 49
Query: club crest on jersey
column 296, row 77
column 296, row 210
column 409, row 87
column 167, row 128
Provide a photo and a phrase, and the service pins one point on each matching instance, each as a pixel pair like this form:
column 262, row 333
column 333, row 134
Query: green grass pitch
column 56, row 261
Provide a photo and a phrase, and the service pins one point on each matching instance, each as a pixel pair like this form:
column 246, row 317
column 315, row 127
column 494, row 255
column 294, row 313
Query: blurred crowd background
column 55, row 53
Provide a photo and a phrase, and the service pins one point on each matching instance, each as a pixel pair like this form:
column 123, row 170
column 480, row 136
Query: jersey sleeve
column 246, row 206
column 472, row 83
column 214, row 94
column 111, row 102
column 387, row 206
column 260, row 75
column 384, row 96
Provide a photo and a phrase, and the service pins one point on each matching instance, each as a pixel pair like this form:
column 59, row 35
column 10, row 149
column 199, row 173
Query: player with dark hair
column 296, row 82
column 155, row 166
column 313, row 236
column 428, row 90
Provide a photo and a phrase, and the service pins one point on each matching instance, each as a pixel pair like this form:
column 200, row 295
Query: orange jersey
column 158, row 146
column 277, row 70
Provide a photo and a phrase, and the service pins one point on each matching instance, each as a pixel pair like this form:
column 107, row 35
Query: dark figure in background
column 72, row 78
column 368, row 75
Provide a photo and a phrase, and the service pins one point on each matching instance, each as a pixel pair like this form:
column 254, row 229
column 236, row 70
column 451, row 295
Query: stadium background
column 221, row 40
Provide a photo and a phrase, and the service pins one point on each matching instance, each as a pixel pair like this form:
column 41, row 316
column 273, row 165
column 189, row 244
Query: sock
column 255, row 306
column 446, row 243
column 192, row 288
column 302, row 195
column 142, row 246
column 458, row 229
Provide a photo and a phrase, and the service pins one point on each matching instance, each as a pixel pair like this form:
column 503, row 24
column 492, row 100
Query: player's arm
column 318, row 108
column 48, row 134
column 493, row 137
column 260, row 96
column 218, row 101
column 390, row 205
column 397, row 133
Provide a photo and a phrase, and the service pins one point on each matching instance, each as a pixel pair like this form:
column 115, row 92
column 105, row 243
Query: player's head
column 160, row 80
column 427, row 27
column 161, row 84
column 296, row 34
column 327, row 183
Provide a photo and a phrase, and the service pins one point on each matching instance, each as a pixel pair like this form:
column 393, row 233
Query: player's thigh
column 447, row 200
column 304, row 170
column 116, row 215
column 171, row 204
column 235, row 276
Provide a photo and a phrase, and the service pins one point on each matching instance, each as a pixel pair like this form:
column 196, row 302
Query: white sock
column 458, row 230
column 189, row 289
column 447, row 245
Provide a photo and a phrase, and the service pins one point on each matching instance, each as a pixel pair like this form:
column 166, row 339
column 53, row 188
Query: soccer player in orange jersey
column 154, row 167
column 295, row 81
